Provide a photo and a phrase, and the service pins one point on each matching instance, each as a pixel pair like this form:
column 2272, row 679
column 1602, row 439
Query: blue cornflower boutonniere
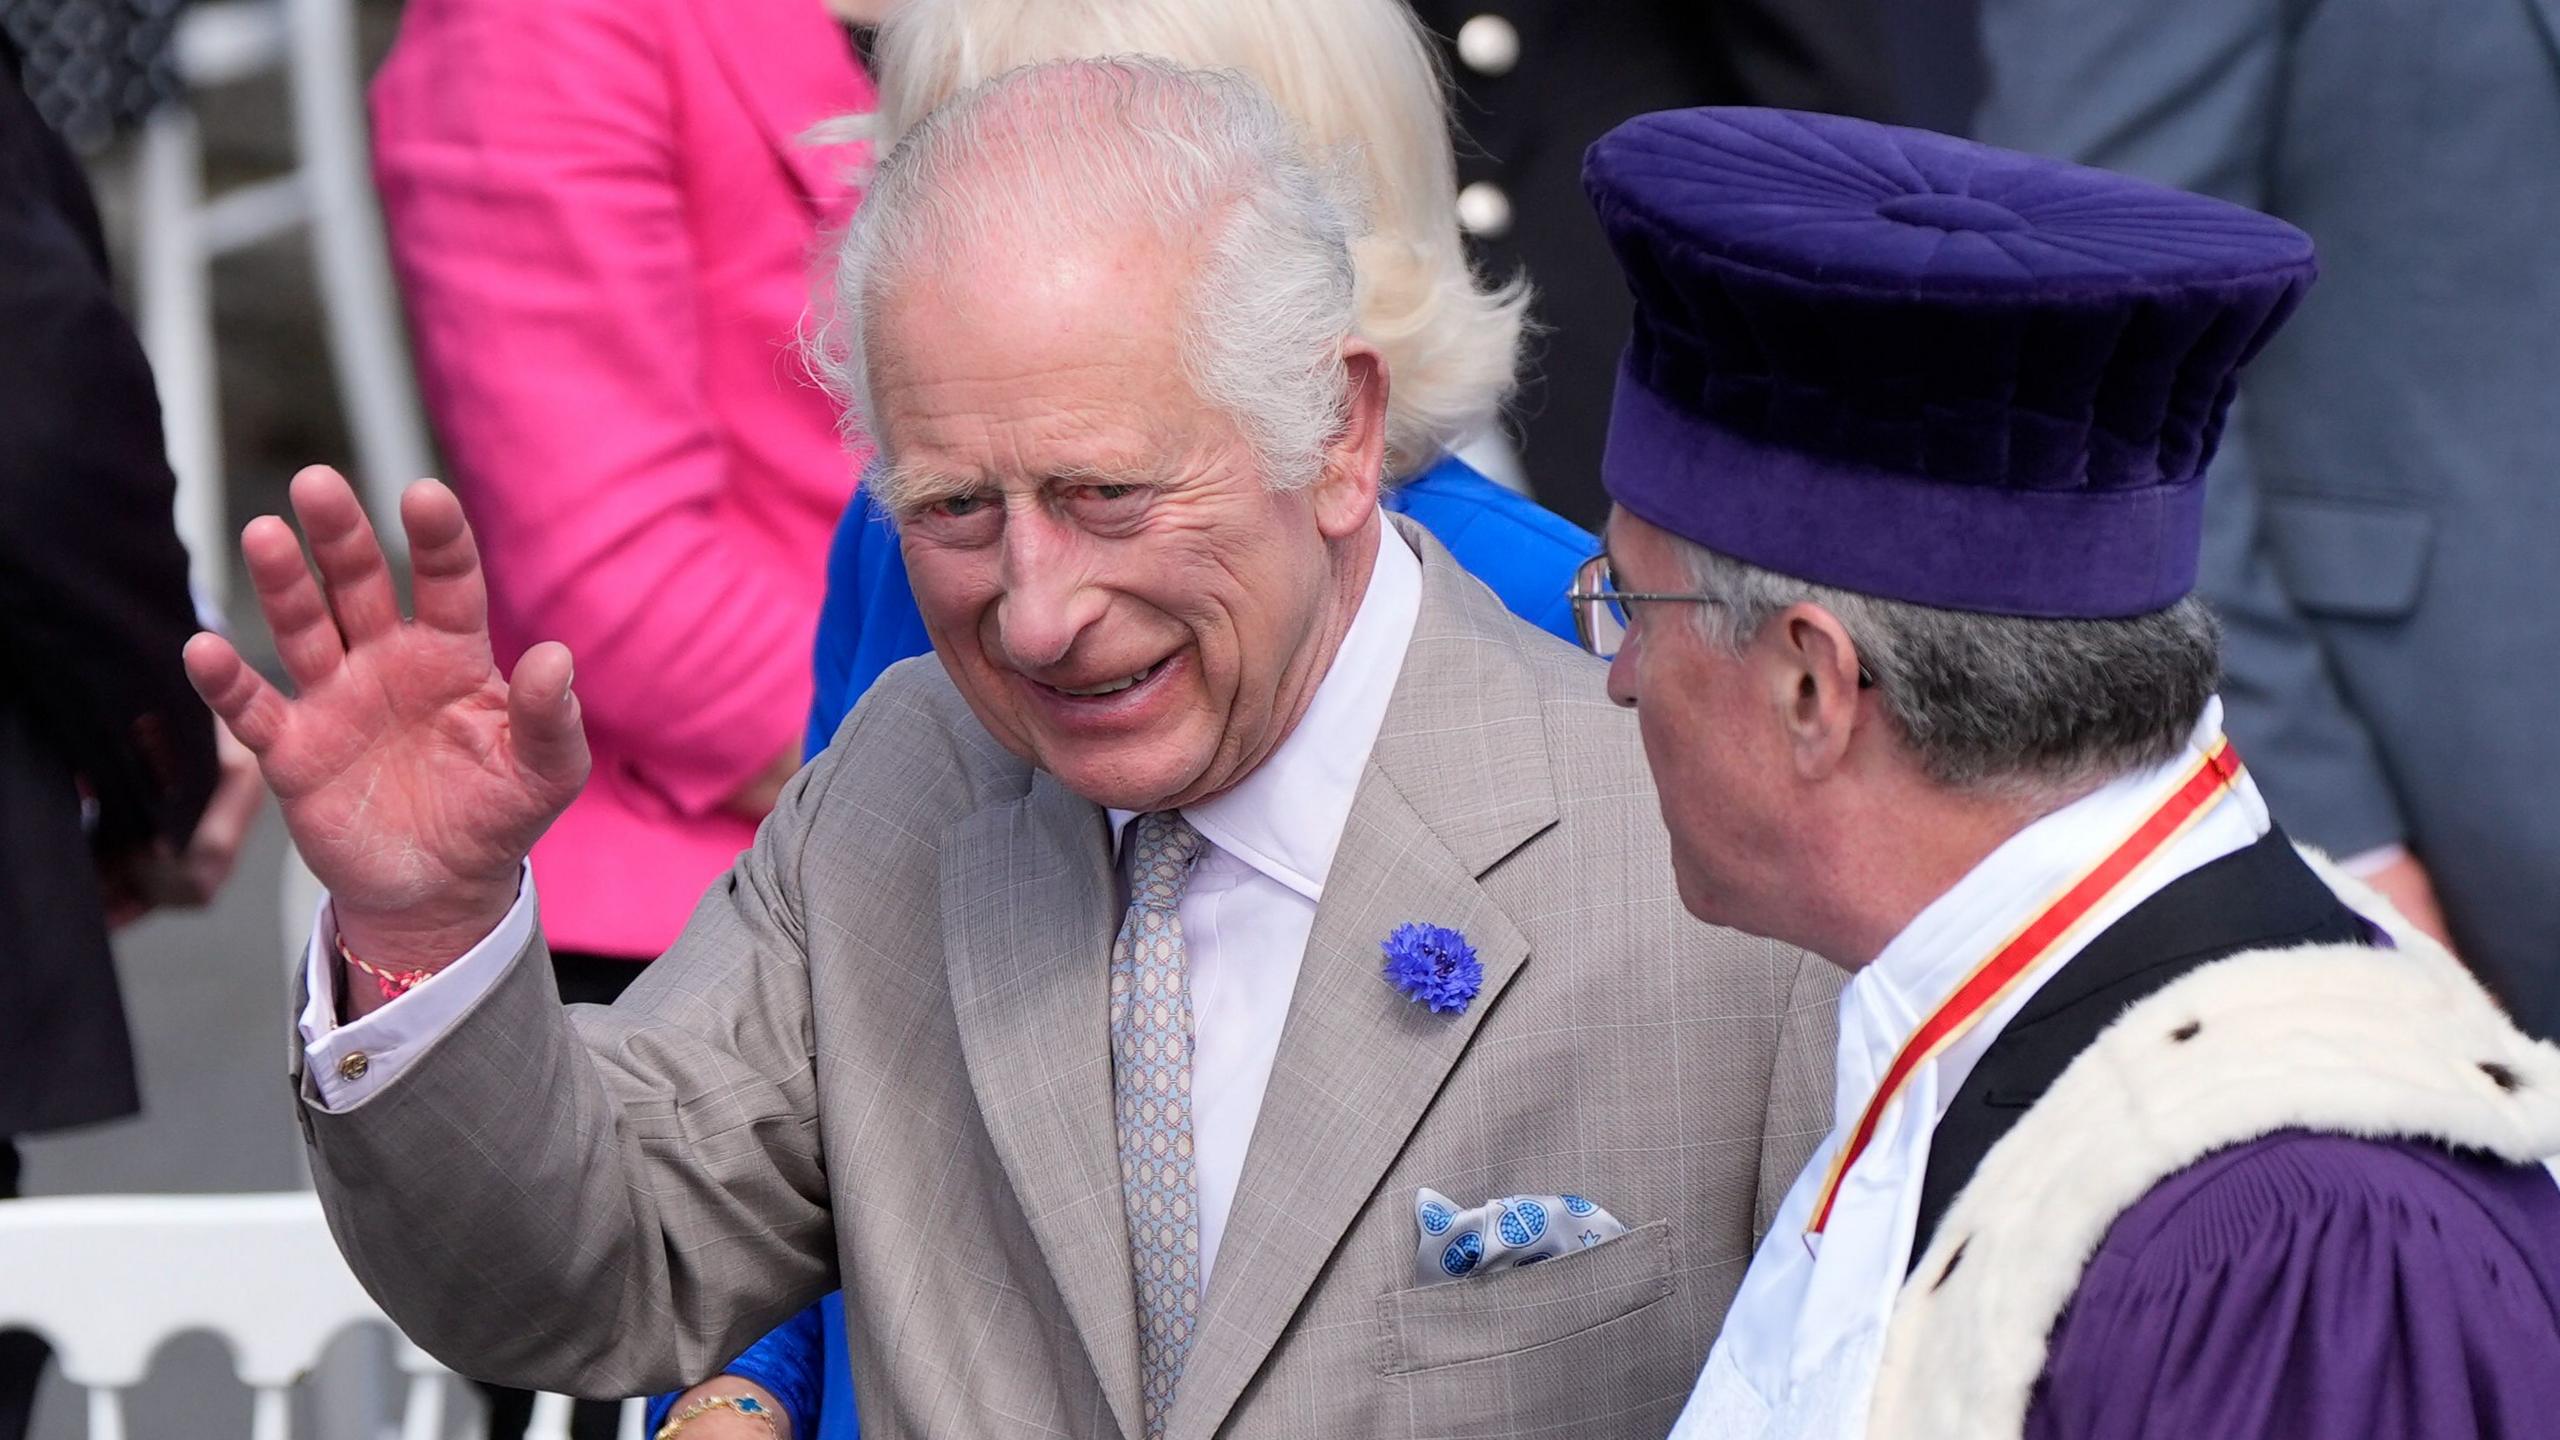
column 1434, row 966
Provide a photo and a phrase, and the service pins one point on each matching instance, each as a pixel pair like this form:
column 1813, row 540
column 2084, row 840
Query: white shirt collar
column 1933, row 954
column 1799, row 1351
column 1286, row 817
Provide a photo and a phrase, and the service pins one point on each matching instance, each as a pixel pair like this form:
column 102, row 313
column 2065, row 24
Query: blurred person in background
column 606, row 222
column 94, row 68
column 1357, row 75
column 1536, row 81
column 2150, row 1127
column 2378, row 543
column 115, row 796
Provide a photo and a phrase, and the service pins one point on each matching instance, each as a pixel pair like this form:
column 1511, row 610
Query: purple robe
column 2317, row 1287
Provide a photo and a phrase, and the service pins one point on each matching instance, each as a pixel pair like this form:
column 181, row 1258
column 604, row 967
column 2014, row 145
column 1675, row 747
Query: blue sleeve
column 789, row 1363
column 839, row 618
column 838, row 1419
column 1525, row 553
column 869, row 620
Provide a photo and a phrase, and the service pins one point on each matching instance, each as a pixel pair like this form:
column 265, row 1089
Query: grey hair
column 1202, row 160
column 1360, row 75
column 2034, row 707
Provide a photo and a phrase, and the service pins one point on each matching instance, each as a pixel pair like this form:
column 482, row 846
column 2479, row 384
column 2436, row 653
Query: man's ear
column 1814, row 673
column 1346, row 493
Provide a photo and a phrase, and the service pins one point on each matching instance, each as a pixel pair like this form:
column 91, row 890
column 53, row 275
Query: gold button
column 1484, row 211
column 1489, row 45
column 354, row 1066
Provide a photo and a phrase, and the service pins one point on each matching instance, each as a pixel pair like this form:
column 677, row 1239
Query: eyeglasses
column 1600, row 608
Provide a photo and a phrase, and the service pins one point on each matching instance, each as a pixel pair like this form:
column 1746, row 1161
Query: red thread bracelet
column 394, row 983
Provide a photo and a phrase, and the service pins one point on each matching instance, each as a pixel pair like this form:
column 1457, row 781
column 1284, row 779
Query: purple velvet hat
column 1921, row 368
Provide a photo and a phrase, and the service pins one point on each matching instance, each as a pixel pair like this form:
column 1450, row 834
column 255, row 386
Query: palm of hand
column 399, row 777
column 413, row 777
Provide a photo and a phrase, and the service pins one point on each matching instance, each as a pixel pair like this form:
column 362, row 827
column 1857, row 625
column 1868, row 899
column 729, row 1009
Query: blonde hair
column 1357, row 75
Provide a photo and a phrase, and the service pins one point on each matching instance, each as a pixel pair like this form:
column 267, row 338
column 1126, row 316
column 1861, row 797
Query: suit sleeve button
column 1489, row 45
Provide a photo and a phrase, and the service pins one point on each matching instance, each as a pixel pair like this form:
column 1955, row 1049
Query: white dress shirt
column 1798, row 1354
column 1246, row 914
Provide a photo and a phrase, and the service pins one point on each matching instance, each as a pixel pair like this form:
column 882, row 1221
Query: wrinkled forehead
column 1017, row 315
column 1012, row 363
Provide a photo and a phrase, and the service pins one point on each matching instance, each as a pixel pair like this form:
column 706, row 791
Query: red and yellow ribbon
column 2209, row 780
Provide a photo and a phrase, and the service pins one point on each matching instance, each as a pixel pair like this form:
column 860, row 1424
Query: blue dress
column 1524, row 553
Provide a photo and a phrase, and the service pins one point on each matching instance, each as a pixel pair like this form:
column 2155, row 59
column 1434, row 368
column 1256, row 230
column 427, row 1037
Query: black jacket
column 2260, row 898
column 1580, row 67
column 94, row 610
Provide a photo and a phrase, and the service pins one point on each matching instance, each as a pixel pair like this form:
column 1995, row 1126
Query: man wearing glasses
column 1908, row 462
column 1230, row 990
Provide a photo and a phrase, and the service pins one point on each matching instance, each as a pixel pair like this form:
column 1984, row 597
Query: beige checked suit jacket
column 878, row 1056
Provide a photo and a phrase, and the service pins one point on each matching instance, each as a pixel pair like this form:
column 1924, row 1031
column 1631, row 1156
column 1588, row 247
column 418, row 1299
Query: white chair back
column 551, row 1413
column 106, row 1280
column 181, row 229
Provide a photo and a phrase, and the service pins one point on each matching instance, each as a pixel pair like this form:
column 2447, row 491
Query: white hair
column 1357, row 76
column 1202, row 160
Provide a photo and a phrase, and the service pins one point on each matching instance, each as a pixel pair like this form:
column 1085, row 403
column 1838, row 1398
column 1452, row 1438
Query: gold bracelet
column 747, row 1405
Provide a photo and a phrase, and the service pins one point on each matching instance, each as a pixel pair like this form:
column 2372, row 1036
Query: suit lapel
column 1029, row 908
column 1457, row 780
column 792, row 66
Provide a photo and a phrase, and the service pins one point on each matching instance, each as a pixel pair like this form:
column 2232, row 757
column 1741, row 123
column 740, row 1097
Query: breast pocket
column 2349, row 560
column 1434, row 1326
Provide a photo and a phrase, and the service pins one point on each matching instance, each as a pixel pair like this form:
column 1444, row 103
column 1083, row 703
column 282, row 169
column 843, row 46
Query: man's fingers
column 239, row 695
column 306, row 636
column 352, row 566
column 542, row 717
column 444, row 562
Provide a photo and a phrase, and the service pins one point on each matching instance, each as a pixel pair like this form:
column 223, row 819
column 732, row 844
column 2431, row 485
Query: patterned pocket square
column 1499, row 1234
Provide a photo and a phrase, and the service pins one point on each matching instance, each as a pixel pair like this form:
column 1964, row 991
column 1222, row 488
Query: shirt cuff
column 2365, row 864
column 347, row 1063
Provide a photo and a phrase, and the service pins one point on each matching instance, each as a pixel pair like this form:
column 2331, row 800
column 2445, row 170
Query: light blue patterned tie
column 1151, row 1091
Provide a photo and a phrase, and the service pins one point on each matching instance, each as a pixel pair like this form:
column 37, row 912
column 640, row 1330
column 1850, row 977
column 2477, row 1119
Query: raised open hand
column 413, row 776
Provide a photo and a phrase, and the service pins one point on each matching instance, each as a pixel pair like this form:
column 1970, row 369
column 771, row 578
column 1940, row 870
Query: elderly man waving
column 1236, row 990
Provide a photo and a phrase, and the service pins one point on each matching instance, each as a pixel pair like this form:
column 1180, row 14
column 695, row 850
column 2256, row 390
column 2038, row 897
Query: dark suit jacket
column 1583, row 68
column 93, row 612
column 2379, row 524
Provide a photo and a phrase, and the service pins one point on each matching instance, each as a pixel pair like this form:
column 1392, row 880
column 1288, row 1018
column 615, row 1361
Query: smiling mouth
column 1110, row 687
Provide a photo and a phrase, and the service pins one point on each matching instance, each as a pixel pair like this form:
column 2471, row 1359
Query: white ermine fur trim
column 2340, row 1039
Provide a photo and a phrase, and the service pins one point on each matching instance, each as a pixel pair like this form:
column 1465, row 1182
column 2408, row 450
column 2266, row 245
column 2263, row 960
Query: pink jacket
column 607, row 233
